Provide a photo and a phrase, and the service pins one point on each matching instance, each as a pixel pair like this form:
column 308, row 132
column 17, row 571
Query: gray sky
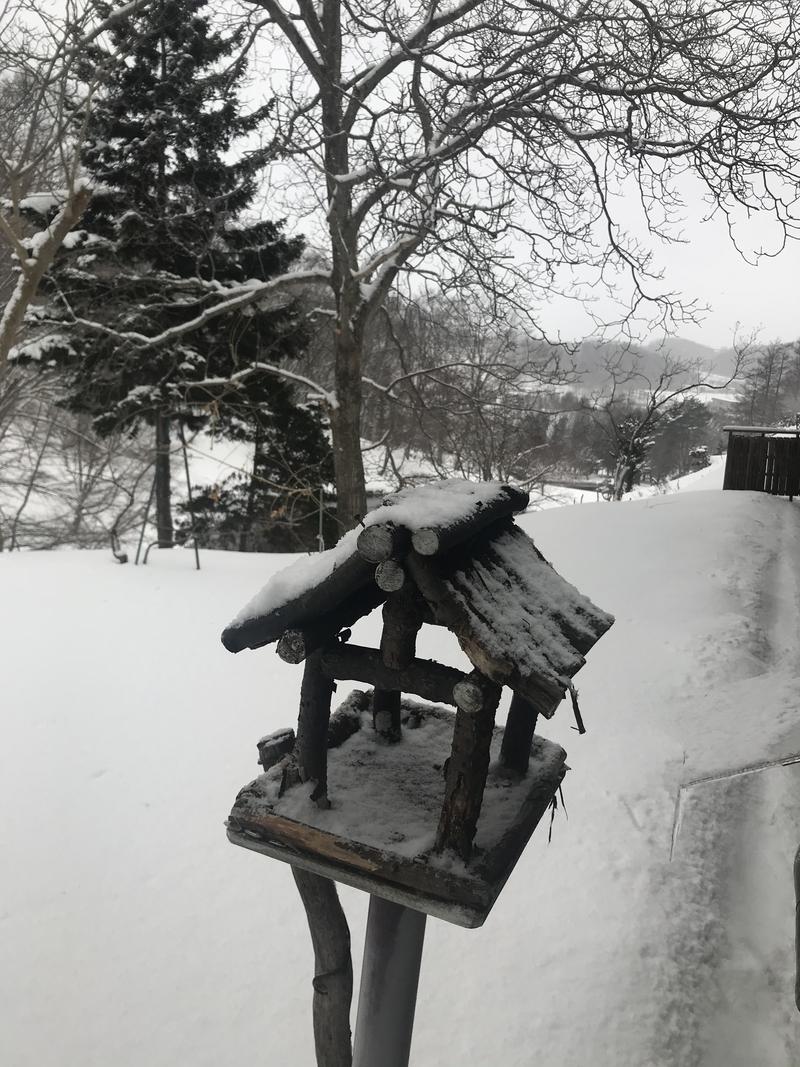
column 760, row 294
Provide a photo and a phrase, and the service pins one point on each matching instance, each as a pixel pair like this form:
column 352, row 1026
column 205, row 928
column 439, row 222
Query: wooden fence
column 763, row 459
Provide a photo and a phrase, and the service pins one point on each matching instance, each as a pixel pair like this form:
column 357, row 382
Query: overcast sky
column 759, row 293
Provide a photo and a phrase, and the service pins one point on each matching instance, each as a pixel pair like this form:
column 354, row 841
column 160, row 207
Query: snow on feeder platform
column 414, row 802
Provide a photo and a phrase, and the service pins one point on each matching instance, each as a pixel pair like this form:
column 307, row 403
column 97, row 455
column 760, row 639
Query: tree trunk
column 163, row 501
column 351, row 495
column 246, row 536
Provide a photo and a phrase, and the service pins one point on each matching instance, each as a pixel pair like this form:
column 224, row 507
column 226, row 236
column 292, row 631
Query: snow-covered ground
column 133, row 934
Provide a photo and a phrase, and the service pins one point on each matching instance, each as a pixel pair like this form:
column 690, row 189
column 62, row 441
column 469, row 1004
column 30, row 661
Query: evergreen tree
column 163, row 235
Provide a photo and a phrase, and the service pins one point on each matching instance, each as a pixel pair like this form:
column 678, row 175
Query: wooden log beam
column 435, row 539
column 333, row 968
column 337, row 600
column 466, row 774
column 297, row 643
column 544, row 694
column 428, row 679
column 311, row 748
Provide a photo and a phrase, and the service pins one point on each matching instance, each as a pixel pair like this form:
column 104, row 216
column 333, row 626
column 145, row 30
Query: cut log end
column 377, row 543
column 468, row 696
column 292, row 646
column 390, row 576
column 425, row 541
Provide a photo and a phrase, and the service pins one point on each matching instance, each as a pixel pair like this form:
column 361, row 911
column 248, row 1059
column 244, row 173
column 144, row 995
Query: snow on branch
column 213, row 386
column 240, row 296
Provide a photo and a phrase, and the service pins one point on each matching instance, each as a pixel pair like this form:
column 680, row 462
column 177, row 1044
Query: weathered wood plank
column 463, row 895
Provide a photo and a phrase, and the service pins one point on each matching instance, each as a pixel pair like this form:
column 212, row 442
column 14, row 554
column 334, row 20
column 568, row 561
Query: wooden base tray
column 385, row 803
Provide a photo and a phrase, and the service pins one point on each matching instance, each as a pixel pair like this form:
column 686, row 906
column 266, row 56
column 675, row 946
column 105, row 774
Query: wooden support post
column 333, row 968
column 515, row 751
column 403, row 614
column 466, row 774
column 311, row 749
column 402, row 617
column 386, row 714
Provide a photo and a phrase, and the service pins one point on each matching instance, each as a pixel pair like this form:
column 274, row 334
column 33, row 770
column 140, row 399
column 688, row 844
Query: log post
column 466, row 773
column 386, row 714
column 402, row 617
column 311, row 749
column 515, row 751
column 333, row 968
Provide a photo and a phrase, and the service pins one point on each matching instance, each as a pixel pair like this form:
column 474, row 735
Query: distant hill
column 595, row 360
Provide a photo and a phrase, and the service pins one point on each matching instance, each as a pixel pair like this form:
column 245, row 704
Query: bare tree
column 462, row 392
column 429, row 137
column 59, row 483
column 633, row 404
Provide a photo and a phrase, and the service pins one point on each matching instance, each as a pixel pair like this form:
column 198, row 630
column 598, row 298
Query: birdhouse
column 427, row 803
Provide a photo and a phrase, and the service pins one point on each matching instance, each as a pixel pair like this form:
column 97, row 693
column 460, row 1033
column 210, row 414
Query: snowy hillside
column 133, row 934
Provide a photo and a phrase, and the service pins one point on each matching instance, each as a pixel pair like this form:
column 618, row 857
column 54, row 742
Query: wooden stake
column 333, row 968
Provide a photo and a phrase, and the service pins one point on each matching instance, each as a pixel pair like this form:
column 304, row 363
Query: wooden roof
column 517, row 620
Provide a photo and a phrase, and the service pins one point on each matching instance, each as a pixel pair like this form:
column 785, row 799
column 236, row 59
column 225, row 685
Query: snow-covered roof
column 518, row 621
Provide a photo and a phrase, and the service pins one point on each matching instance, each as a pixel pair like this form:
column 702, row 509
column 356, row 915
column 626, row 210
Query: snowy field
column 132, row 934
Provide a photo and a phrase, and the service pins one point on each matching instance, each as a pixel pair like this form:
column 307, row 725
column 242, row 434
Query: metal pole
column 389, row 979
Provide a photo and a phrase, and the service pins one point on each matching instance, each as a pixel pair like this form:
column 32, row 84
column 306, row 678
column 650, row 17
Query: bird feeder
column 427, row 804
